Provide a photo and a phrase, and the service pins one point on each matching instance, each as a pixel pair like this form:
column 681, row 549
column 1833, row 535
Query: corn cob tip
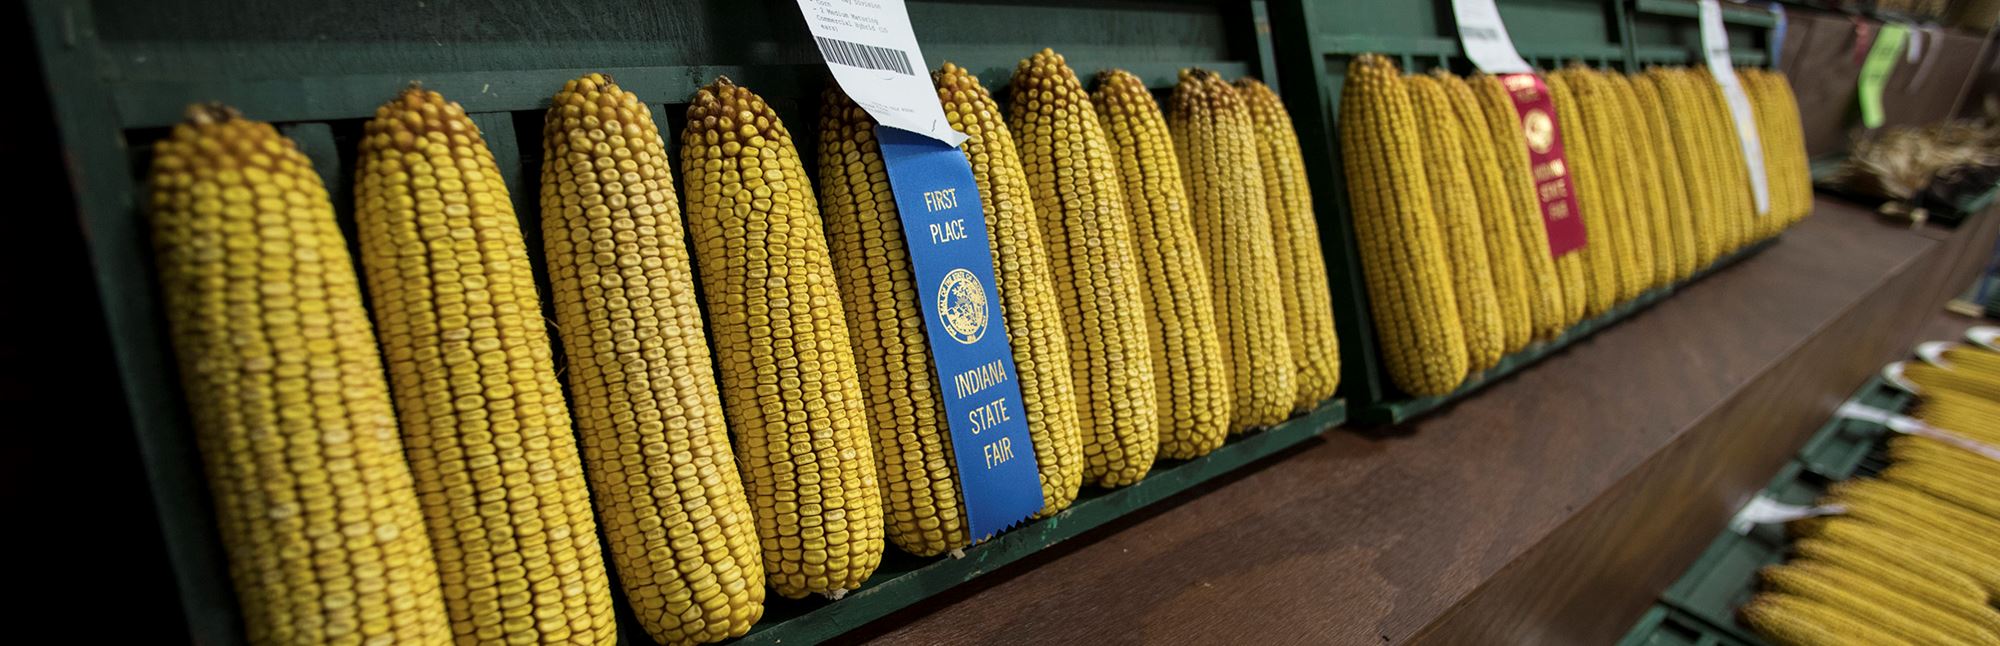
column 211, row 113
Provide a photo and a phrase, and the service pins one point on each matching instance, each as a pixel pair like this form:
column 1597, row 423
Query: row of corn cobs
column 1914, row 558
column 1162, row 282
column 1449, row 225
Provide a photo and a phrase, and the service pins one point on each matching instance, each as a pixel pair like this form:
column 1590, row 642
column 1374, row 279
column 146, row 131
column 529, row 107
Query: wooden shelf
column 1552, row 507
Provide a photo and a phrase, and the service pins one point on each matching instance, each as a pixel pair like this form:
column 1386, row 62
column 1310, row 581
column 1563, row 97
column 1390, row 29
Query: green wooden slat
column 152, row 104
column 1317, row 66
column 1403, row 410
column 1687, row 9
column 99, row 163
column 903, row 580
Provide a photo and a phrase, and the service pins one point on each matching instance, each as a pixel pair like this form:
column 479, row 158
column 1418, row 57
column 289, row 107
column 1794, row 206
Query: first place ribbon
column 873, row 54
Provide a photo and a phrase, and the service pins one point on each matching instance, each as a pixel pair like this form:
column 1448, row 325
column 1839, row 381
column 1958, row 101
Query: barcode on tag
column 865, row 56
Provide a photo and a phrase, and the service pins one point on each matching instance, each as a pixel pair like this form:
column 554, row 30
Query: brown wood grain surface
column 1548, row 508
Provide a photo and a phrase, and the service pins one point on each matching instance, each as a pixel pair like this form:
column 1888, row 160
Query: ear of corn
column 1610, row 172
column 1074, row 181
column 1555, row 285
column 483, row 416
column 1966, row 617
column 1784, row 141
column 1190, row 381
column 1970, row 414
column 1931, row 378
column 317, row 509
column 1402, row 246
column 1504, row 255
column 1631, row 224
column 1889, row 500
column 1866, row 599
column 789, row 379
column 1301, row 264
column 1796, row 177
column 1601, row 255
column 1649, row 222
column 1973, row 490
column 1665, row 159
column 1764, row 112
column 1456, row 206
column 639, row 370
column 1025, row 280
column 1215, row 139
column 1906, row 570
column 1738, row 202
column 913, row 455
column 1792, row 620
column 1917, row 542
column 1685, row 127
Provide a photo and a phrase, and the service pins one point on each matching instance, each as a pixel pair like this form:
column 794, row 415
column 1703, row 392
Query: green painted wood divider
column 119, row 79
column 1315, row 41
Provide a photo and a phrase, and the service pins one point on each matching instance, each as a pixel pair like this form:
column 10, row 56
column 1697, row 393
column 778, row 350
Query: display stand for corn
column 1700, row 607
column 1314, row 42
column 121, row 78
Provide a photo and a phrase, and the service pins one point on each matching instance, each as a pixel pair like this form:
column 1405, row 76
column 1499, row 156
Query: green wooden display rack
column 904, row 580
column 1700, row 607
column 1313, row 43
column 1397, row 411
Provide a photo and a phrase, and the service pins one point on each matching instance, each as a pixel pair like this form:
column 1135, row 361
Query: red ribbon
column 1550, row 170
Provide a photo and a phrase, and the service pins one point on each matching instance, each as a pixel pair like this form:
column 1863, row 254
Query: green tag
column 1875, row 71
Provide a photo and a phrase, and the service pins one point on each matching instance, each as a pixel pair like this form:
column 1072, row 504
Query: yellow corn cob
column 1971, row 415
column 1926, row 454
column 1931, row 378
column 316, row 507
column 1401, row 241
column 1763, row 110
column 1601, row 255
column 1301, row 264
column 1555, row 285
column 1650, row 221
column 1215, row 140
column 1909, row 595
column 1635, row 227
column 1496, row 217
column 1739, row 202
column 1664, row 157
column 1615, row 178
column 1905, row 541
column 1790, row 620
column 1973, row 360
column 1025, row 282
column 790, row 385
column 1687, row 129
column 913, row 456
column 639, row 370
column 469, row 362
column 1073, row 178
column 1899, row 612
column 1902, row 570
column 1893, row 503
column 1457, row 207
column 1794, row 175
column 1967, row 490
column 1189, row 377
column 1796, row 179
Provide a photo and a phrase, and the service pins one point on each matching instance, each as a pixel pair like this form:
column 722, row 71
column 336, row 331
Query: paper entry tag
column 1875, row 72
column 873, row 54
column 1485, row 38
column 1765, row 511
column 1715, row 48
